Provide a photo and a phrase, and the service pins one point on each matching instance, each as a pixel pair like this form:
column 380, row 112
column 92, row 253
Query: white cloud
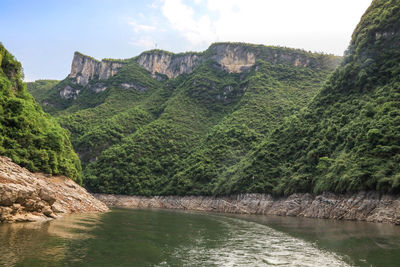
column 142, row 27
column 146, row 42
column 182, row 18
column 155, row 4
column 318, row 25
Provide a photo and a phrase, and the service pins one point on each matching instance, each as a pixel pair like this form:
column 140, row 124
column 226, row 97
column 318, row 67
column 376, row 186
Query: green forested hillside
column 98, row 120
column 272, row 92
column 180, row 135
column 30, row 137
column 281, row 125
column 41, row 88
column 348, row 138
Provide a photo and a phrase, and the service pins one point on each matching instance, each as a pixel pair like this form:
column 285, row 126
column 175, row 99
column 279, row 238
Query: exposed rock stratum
column 362, row 206
column 232, row 57
column 85, row 68
column 26, row 196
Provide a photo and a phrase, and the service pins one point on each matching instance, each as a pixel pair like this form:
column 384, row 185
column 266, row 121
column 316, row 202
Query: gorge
column 238, row 155
column 234, row 119
column 168, row 108
column 239, row 118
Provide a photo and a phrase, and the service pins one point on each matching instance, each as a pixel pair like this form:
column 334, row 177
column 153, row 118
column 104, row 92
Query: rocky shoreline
column 27, row 197
column 362, row 206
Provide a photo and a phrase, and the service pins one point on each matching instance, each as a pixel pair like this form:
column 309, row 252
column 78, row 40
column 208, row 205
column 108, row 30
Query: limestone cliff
column 171, row 65
column 231, row 57
column 26, row 196
column 239, row 57
column 85, row 68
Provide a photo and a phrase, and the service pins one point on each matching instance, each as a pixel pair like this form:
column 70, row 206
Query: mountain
column 29, row 136
column 348, row 138
column 164, row 123
column 40, row 88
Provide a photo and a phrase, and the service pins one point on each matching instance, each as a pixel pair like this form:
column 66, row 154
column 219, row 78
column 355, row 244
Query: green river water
column 127, row 237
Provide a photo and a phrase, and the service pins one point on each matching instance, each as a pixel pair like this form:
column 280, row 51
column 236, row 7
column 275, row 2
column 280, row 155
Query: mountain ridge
column 146, row 125
column 233, row 57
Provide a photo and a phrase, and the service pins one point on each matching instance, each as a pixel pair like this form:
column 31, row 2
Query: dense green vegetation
column 41, row 88
column 277, row 128
column 29, row 136
column 180, row 135
column 197, row 122
column 348, row 138
column 272, row 92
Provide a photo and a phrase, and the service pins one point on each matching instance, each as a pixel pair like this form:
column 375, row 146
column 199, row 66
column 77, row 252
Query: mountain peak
column 84, row 68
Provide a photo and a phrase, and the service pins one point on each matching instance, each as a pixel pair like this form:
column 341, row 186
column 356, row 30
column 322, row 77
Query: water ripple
column 252, row 244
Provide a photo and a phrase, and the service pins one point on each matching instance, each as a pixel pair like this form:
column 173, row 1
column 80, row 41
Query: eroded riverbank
column 363, row 206
column 28, row 197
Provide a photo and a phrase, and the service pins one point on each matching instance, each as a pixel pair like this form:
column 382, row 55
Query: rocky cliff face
column 363, row 206
column 232, row 57
column 161, row 62
column 26, row 196
column 85, row 68
column 237, row 57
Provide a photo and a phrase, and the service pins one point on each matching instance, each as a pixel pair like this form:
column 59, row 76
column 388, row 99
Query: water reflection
column 360, row 243
column 43, row 241
column 253, row 244
column 126, row 237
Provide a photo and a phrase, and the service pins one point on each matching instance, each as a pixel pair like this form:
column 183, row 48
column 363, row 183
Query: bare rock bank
column 26, row 196
column 362, row 206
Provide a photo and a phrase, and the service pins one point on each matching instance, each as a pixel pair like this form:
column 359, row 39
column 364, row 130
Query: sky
column 44, row 34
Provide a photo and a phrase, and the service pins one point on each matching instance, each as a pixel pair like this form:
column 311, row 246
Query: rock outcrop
column 68, row 92
column 171, row 65
column 85, row 68
column 232, row 57
column 26, row 196
column 363, row 206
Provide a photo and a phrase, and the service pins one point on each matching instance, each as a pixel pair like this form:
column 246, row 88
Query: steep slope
column 41, row 88
column 30, row 137
column 271, row 93
column 348, row 138
column 164, row 123
column 99, row 119
column 144, row 162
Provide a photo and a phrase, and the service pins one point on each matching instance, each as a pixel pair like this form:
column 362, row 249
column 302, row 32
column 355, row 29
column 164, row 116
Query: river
column 128, row 237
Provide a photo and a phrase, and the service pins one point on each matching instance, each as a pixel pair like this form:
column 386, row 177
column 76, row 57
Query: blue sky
column 44, row 34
